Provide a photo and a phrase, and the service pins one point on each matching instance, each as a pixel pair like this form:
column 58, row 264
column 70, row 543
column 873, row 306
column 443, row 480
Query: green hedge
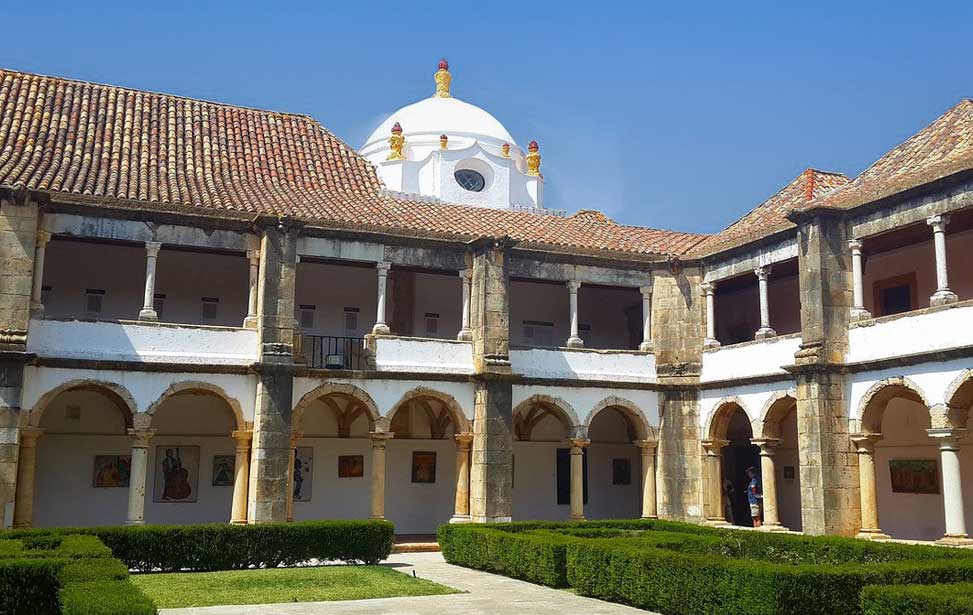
column 918, row 600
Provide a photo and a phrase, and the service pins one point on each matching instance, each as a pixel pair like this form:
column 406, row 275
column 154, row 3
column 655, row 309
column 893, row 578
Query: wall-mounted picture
column 176, row 473
column 621, row 472
column 423, row 467
column 303, row 464
column 790, row 472
column 223, row 470
column 112, row 471
column 351, row 466
column 914, row 475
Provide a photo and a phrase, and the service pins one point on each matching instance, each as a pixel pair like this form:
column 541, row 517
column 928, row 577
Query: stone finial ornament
column 396, row 142
column 505, row 148
column 443, row 141
column 533, row 160
column 443, row 79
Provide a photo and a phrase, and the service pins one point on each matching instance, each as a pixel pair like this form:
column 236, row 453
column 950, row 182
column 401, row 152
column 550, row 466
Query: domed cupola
column 449, row 149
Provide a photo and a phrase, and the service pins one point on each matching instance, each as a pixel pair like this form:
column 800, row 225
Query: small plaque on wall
column 423, row 467
column 112, row 471
column 621, row 472
column 223, row 470
column 914, row 476
column 351, row 466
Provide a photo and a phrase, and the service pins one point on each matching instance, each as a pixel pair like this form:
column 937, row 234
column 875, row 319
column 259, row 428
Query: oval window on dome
column 468, row 179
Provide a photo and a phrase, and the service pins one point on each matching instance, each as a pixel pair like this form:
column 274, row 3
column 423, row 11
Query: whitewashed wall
column 585, row 364
column 423, row 356
column 581, row 401
column 759, row 358
column 388, row 393
column 909, row 334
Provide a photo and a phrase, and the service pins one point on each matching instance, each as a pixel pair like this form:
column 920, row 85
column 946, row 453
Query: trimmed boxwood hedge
column 954, row 599
column 678, row 569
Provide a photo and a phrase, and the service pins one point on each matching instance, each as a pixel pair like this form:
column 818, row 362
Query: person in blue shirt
column 754, row 496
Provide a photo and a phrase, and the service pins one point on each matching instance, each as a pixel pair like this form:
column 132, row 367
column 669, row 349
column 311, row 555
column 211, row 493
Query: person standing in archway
column 754, row 495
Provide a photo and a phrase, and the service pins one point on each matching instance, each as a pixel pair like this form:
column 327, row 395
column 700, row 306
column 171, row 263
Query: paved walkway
column 486, row 594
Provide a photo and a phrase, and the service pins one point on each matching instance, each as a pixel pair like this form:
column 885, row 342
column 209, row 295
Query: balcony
column 584, row 364
column 929, row 330
column 749, row 359
column 423, row 355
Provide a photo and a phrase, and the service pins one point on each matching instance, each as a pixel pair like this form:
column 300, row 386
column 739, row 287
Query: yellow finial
column 443, row 78
column 533, row 160
column 505, row 148
column 443, row 141
column 396, row 142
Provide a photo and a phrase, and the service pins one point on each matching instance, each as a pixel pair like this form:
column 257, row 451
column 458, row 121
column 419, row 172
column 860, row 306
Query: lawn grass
column 275, row 585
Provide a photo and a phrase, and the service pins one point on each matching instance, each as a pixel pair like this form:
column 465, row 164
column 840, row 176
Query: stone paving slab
column 486, row 594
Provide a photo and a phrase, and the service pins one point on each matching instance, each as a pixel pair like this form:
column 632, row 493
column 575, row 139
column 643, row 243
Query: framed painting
column 223, row 470
column 621, row 472
column 351, row 466
column 303, row 466
column 176, row 473
column 423, row 467
column 914, row 476
column 112, row 471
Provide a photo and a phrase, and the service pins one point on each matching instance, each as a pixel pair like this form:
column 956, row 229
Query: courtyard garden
column 681, row 569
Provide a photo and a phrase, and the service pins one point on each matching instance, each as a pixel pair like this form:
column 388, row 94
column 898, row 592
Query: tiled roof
column 939, row 150
column 771, row 216
column 131, row 147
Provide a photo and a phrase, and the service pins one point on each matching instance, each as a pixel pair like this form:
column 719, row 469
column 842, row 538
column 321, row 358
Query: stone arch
column 555, row 406
column 632, row 413
column 350, row 392
column 117, row 393
column 449, row 403
column 719, row 419
column 775, row 409
column 959, row 393
column 871, row 408
column 203, row 387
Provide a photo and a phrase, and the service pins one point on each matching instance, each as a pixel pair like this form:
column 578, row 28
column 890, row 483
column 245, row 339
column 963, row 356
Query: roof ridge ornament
column 533, row 160
column 396, row 142
column 443, row 79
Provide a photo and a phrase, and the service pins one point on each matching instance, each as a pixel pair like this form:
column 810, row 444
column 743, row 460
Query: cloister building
column 211, row 313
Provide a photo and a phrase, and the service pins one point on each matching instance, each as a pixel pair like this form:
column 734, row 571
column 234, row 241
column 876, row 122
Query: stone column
column 250, row 322
column 858, row 311
column 380, row 441
column 381, row 327
column 943, row 295
column 952, row 484
column 577, row 477
column 295, row 437
column 465, row 333
column 646, row 344
column 26, row 469
column 768, row 479
column 714, row 481
column 709, row 291
column 865, row 444
column 464, row 442
column 649, row 505
column 574, row 341
column 148, row 303
column 137, row 475
column 241, row 476
column 764, row 331
column 37, row 289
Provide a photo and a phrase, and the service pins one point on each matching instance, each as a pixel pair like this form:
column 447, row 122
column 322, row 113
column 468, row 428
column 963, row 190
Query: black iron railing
column 332, row 352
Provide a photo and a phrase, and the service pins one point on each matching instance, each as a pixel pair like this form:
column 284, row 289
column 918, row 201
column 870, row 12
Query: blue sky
column 682, row 115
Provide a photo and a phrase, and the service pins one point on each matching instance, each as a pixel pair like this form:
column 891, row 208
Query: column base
column 955, row 541
column 943, row 297
column 460, row 519
column 710, row 342
column 376, row 516
column 129, row 522
column 250, row 322
column 238, row 522
column 575, row 342
column 649, row 517
column 775, row 527
column 872, row 534
column 147, row 314
column 716, row 522
column 465, row 335
column 36, row 310
column 764, row 333
column 646, row 346
column 859, row 314
column 381, row 329
column 576, row 518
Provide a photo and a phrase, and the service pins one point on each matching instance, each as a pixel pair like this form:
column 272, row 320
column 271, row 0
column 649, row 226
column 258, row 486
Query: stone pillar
column 943, row 295
column 295, row 437
column 764, row 331
column 952, row 484
column 381, row 328
column 646, row 344
column 380, row 440
column 865, row 444
column 37, row 289
column 715, row 514
column 464, row 442
column 26, row 469
column 241, row 477
column 649, row 506
column 574, row 341
column 253, row 257
column 709, row 291
column 138, row 473
column 465, row 333
column 768, row 479
column 858, row 311
column 577, row 477
column 148, row 303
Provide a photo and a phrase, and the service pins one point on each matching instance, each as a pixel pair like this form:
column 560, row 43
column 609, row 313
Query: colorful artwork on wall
column 303, row 464
column 914, row 475
column 621, row 472
column 223, row 470
column 112, row 471
column 351, row 466
column 423, row 467
column 176, row 473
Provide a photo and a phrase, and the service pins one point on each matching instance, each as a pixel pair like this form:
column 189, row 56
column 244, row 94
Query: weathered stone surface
column 491, row 476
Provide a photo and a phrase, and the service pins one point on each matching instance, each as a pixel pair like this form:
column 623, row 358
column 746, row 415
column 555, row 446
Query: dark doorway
column 739, row 455
column 564, row 475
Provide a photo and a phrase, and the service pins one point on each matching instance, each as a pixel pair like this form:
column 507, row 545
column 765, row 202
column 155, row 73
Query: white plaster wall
column 759, row 358
column 333, row 497
column 910, row 334
column 932, row 380
column 419, row 508
column 612, row 366
column 788, row 489
column 388, row 393
column 431, row 356
column 583, row 400
column 438, row 294
column 142, row 342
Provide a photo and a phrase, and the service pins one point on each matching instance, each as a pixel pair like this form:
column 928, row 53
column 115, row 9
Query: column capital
column 865, row 442
column 646, row 291
column 948, row 436
column 43, row 237
column 577, row 444
column 763, row 272
column 855, row 245
column 938, row 222
column 380, row 439
column 30, row 436
column 767, row 445
column 295, row 436
column 714, row 446
column 152, row 248
column 708, row 288
column 464, row 441
column 573, row 285
column 242, row 436
column 253, row 256
column 141, row 437
column 466, row 274
column 383, row 267
column 647, row 447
